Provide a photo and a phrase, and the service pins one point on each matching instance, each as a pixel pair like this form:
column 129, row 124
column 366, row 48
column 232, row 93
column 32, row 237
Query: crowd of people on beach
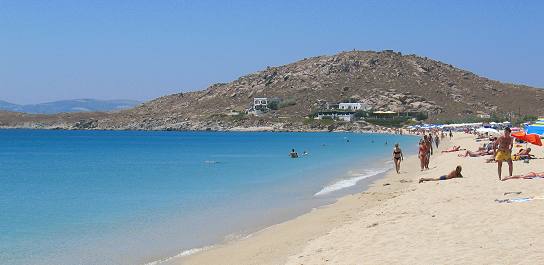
column 426, row 149
column 499, row 148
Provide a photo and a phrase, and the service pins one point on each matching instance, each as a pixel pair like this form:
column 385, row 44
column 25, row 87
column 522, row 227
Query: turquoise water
column 108, row 197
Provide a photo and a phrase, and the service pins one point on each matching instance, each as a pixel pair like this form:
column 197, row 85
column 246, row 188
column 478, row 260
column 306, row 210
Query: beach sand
column 399, row 221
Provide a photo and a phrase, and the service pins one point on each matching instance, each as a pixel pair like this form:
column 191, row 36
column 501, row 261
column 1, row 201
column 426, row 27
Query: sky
column 53, row 50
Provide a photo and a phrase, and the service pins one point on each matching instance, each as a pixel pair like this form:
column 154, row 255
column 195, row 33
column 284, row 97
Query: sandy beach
column 399, row 221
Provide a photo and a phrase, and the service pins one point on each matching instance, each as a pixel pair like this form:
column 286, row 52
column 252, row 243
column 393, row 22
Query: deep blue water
column 129, row 197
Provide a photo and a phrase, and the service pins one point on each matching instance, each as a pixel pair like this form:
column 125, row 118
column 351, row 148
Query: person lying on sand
column 476, row 153
column 523, row 154
column 455, row 148
column 454, row 174
column 530, row 175
column 482, row 136
column 487, row 147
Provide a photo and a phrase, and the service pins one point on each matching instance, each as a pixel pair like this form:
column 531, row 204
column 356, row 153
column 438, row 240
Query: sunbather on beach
column 523, row 154
column 454, row 174
column 486, row 147
column 530, row 175
column 504, row 145
column 521, row 151
column 476, row 153
column 455, row 148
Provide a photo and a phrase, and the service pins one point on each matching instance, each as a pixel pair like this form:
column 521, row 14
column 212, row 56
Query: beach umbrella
column 488, row 130
column 529, row 138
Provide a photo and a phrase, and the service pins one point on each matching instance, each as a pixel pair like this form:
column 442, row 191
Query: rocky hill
column 384, row 80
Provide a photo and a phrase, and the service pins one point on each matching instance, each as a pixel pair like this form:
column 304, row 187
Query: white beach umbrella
column 487, row 130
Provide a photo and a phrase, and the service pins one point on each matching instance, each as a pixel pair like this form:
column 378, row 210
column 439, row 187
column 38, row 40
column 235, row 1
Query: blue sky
column 51, row 50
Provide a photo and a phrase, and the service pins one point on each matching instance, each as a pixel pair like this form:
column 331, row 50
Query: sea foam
column 350, row 182
column 182, row 254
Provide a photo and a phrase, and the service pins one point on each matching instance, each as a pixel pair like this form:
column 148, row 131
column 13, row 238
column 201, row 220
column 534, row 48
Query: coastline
column 300, row 188
column 396, row 220
column 376, row 130
column 273, row 244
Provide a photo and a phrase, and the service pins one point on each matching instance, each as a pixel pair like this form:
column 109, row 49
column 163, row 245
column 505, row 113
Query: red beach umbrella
column 530, row 138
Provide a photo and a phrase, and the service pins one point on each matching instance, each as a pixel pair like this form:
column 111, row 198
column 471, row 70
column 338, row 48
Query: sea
column 142, row 197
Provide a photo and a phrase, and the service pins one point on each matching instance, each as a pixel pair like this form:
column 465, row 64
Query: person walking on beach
column 430, row 142
column 422, row 154
column 429, row 153
column 436, row 141
column 428, row 148
column 504, row 145
column 454, row 174
column 451, row 134
column 397, row 157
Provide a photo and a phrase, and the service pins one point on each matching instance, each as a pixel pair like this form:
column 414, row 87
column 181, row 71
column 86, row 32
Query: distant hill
column 385, row 80
column 74, row 105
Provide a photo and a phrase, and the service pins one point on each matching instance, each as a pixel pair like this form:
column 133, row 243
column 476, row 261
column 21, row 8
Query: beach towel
column 513, row 200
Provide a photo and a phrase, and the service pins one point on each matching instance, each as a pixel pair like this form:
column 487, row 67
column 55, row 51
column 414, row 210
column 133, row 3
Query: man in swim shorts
column 504, row 145
column 454, row 174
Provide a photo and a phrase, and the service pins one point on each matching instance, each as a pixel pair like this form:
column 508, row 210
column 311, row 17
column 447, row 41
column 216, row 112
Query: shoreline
column 328, row 194
column 397, row 220
column 365, row 182
column 213, row 254
column 383, row 130
column 312, row 179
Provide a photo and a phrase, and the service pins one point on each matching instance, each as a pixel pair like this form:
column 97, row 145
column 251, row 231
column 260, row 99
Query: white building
column 352, row 106
column 260, row 103
column 260, row 106
column 336, row 115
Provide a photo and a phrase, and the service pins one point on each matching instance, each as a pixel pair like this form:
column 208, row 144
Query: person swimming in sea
column 293, row 154
column 454, row 174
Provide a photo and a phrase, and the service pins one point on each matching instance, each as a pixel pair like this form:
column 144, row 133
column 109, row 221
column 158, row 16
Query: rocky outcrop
column 86, row 124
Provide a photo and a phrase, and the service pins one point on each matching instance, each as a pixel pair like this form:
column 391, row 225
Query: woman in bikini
column 422, row 154
column 397, row 157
